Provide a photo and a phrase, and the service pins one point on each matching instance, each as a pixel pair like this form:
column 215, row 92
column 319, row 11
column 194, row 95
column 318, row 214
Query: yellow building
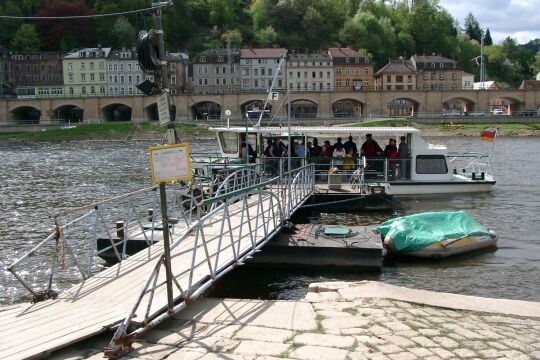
column 85, row 72
column 352, row 70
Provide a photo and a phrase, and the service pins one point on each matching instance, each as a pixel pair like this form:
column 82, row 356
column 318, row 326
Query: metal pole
column 171, row 139
column 289, row 177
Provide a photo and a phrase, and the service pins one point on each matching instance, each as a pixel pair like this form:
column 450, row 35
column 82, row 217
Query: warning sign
column 170, row 163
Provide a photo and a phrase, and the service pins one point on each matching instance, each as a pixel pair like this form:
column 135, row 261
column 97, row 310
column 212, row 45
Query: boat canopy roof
column 283, row 130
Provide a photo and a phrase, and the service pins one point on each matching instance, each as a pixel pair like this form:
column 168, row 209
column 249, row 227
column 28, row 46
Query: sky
column 519, row 19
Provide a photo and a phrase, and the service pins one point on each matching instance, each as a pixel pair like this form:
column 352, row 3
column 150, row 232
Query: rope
column 59, row 236
column 75, row 17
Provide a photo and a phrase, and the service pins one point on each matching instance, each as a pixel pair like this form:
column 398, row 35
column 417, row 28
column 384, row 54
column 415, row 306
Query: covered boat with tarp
column 435, row 234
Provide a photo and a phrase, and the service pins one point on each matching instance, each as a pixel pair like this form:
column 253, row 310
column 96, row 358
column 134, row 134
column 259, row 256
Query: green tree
column 9, row 27
column 472, row 28
column 536, row 64
column 266, row 37
column 26, row 39
column 123, row 33
column 488, row 41
column 233, row 37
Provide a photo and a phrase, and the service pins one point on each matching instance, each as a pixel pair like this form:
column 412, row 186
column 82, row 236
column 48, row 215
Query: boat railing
column 82, row 237
column 246, row 219
column 475, row 165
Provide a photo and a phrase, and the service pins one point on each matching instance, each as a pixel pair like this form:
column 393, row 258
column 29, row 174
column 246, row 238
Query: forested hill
column 380, row 29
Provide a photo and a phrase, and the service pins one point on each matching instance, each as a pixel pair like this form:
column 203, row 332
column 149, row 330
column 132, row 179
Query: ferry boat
column 428, row 168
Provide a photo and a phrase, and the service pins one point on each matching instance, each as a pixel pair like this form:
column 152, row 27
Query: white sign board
column 170, row 163
column 273, row 96
column 164, row 111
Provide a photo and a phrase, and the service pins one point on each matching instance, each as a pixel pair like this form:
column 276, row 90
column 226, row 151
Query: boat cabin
column 424, row 161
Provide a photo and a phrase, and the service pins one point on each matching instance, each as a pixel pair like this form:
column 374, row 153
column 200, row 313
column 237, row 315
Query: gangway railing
column 82, row 236
column 239, row 223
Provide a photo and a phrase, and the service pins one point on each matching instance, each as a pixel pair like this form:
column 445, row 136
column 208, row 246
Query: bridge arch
column 206, row 110
column 347, row 107
column 304, row 108
column 254, row 107
column 461, row 103
column 116, row 112
column 402, row 106
column 151, row 112
column 25, row 114
column 508, row 104
column 69, row 113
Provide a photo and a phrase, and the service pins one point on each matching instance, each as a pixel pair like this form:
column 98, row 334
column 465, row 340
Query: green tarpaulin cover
column 415, row 232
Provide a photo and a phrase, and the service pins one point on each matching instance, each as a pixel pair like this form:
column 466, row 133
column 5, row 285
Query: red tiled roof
column 343, row 52
column 261, row 53
column 530, row 85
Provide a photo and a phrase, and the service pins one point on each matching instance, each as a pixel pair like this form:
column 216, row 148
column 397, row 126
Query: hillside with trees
column 380, row 29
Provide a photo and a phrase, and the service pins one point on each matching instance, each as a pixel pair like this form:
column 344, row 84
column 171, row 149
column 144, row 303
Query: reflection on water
column 40, row 178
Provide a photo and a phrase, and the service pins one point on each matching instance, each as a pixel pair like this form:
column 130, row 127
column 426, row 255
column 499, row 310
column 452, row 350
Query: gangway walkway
column 132, row 294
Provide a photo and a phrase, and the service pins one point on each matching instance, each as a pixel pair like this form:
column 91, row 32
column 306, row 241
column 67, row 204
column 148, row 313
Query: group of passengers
column 341, row 155
column 397, row 156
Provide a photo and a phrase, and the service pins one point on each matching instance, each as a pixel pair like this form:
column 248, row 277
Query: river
column 38, row 178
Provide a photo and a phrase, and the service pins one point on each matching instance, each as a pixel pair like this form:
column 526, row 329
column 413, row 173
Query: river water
column 38, row 178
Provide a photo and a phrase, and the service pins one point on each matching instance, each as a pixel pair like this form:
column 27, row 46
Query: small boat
column 435, row 234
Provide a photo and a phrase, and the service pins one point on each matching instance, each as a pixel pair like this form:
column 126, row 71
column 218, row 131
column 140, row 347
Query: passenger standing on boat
column 338, row 143
column 370, row 149
column 339, row 154
column 351, row 146
column 403, row 154
column 326, row 153
column 250, row 155
column 301, row 152
column 390, row 153
column 315, row 150
column 269, row 164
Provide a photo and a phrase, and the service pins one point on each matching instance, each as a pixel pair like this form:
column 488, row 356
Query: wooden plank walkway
column 95, row 305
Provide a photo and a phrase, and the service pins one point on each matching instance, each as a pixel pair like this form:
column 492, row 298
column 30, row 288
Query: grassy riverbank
column 108, row 131
column 190, row 132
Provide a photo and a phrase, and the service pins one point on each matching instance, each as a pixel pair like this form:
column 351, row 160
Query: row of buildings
column 107, row 72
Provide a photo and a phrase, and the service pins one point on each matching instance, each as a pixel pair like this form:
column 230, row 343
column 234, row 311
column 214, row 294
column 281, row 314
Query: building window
column 83, row 77
column 441, row 76
column 347, row 71
column 92, row 77
column 256, row 83
column 454, row 77
column 338, row 71
column 366, row 71
column 83, row 90
column 217, row 81
column 202, row 59
column 220, row 58
column 255, row 72
column 91, row 66
column 70, row 66
column 399, row 78
column 173, row 80
column 101, row 76
column 409, row 78
column 338, row 83
column 110, row 67
column 71, row 91
column 217, row 70
column 122, row 79
column 280, row 83
column 388, row 78
column 270, row 72
column 357, row 71
column 92, row 90
column 291, row 74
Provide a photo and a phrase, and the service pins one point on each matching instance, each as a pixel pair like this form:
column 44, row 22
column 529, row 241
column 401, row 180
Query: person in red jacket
column 391, row 153
column 370, row 149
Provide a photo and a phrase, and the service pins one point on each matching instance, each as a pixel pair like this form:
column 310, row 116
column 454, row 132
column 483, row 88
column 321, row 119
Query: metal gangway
column 211, row 236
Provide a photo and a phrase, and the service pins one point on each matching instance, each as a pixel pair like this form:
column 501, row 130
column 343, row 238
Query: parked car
column 476, row 113
column 528, row 113
column 451, row 113
column 497, row 112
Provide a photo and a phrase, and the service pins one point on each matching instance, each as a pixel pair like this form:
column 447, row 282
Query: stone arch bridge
column 191, row 106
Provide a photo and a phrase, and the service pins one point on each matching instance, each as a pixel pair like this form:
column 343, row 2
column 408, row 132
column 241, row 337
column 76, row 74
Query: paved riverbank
column 342, row 321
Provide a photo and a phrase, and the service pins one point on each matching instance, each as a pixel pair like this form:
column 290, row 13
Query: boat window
column 431, row 164
column 229, row 142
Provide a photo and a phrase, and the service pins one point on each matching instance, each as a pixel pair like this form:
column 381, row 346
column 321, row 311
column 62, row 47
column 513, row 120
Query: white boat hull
column 446, row 248
column 428, row 188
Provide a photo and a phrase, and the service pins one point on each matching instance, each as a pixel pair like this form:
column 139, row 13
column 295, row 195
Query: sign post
column 168, row 163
